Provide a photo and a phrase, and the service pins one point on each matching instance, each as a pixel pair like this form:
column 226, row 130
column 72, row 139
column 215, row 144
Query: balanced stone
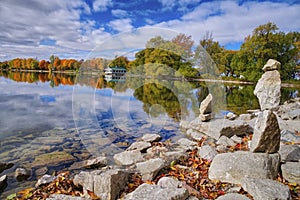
column 267, row 90
column 271, row 65
column 266, row 137
column 205, row 106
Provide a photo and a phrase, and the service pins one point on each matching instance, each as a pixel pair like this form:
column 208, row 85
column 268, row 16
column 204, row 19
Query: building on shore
column 114, row 74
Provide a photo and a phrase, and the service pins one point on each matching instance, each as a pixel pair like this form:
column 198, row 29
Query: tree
column 120, row 61
column 265, row 43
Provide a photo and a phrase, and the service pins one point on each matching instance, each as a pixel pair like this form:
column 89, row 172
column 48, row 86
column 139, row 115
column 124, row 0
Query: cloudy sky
column 73, row 28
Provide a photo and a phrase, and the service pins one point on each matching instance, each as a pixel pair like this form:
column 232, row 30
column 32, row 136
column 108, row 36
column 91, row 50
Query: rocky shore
column 255, row 155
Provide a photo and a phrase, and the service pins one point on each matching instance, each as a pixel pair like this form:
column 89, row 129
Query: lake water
column 50, row 121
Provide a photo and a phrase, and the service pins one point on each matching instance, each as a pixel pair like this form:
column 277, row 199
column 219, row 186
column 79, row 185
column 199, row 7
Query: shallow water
column 50, row 121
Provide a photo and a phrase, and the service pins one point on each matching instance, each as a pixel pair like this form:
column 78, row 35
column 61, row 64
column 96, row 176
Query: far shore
column 96, row 72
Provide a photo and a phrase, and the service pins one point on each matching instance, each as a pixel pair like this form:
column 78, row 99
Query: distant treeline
column 185, row 59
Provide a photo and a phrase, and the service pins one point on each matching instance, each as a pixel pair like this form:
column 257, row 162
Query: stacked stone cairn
column 255, row 170
column 205, row 109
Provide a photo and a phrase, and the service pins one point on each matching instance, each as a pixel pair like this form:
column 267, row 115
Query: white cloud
column 101, row 5
column 24, row 25
column 231, row 22
column 119, row 13
column 121, row 25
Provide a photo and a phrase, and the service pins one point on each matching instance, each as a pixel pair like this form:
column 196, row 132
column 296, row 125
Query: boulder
column 207, row 152
column 65, row 197
column 151, row 137
column 3, row 182
column 232, row 196
column 206, row 117
column 271, row 65
column 232, row 167
column 291, row 171
column 289, row 136
column 225, row 141
column 4, row 166
column 218, row 127
column 128, row 157
column 266, row 136
column 265, row 189
column 22, row 174
column 96, row 162
column 105, row 184
column 139, row 146
column 289, row 153
column 186, row 144
column 155, row 192
column 45, row 180
column 150, row 168
column 231, row 116
column 196, row 135
column 169, row 182
column 246, row 117
column 267, row 90
column 206, row 105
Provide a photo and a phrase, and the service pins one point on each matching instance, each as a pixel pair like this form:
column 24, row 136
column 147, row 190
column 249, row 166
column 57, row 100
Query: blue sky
column 73, row 28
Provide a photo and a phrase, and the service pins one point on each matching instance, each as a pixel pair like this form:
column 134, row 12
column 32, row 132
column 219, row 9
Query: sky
column 74, row 28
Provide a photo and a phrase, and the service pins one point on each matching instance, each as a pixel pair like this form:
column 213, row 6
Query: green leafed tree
column 267, row 42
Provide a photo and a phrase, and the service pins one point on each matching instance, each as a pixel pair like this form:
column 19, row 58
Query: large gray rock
column 65, row 197
column 101, row 161
column 289, row 136
column 232, row 196
column 291, row 171
column 196, row 135
column 151, row 137
column 169, row 182
column 150, row 168
column 266, row 189
column 289, row 153
column 206, row 105
column 45, row 180
column 271, row 65
column 3, row 181
column 225, row 141
column 207, row 152
column 4, row 166
column 128, row 157
column 139, row 146
column 266, row 137
column 267, row 90
column 155, row 192
column 232, row 167
column 105, row 184
column 218, row 127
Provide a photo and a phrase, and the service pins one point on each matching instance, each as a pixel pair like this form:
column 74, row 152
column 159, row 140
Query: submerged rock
column 4, row 166
column 22, row 174
column 3, row 182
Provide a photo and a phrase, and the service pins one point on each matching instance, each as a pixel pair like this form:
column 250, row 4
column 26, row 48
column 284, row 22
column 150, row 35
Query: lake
column 48, row 122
